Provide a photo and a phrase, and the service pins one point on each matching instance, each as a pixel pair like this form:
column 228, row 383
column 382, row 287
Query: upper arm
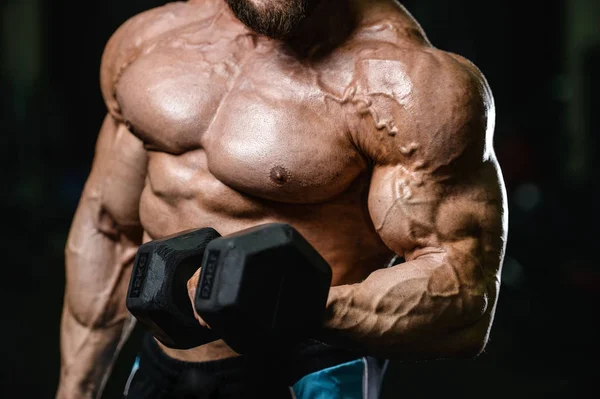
column 113, row 189
column 436, row 188
column 106, row 229
column 463, row 217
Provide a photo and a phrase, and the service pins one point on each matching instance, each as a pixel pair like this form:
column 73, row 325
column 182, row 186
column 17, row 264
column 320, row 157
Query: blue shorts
column 356, row 379
column 315, row 371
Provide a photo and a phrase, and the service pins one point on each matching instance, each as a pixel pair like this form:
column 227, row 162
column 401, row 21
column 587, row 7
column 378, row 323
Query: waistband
column 307, row 357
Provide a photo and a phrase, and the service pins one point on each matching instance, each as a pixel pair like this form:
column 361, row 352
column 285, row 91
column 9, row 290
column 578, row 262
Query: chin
column 273, row 18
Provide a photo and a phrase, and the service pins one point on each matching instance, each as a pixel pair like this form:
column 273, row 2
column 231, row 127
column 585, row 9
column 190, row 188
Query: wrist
column 66, row 392
column 73, row 387
column 336, row 300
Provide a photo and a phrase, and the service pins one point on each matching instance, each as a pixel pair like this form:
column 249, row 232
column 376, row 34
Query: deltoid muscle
column 378, row 91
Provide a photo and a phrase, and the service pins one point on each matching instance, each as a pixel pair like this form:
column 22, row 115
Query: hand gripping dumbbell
column 263, row 287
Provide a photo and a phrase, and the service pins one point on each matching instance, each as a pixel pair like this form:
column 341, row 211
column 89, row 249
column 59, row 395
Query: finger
column 192, row 283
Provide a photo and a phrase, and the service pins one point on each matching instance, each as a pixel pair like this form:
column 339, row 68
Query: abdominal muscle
column 340, row 229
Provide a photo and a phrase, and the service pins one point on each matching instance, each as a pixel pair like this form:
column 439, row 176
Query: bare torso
column 226, row 149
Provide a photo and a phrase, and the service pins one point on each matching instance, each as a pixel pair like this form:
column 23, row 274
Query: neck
column 328, row 25
column 332, row 22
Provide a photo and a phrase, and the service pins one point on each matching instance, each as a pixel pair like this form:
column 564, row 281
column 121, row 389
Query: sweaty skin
column 373, row 145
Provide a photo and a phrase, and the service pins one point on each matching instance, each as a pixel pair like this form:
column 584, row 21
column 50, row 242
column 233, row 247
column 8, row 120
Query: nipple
column 279, row 175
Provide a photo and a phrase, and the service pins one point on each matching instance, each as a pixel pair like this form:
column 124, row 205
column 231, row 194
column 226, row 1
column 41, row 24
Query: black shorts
column 158, row 376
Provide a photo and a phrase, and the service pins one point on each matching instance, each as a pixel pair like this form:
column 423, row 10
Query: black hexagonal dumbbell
column 157, row 294
column 264, row 287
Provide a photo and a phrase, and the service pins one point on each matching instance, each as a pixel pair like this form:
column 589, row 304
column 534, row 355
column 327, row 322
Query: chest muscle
column 267, row 127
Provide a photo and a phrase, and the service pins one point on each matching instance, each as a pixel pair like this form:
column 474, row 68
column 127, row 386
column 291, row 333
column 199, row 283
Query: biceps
column 95, row 266
column 403, row 209
column 414, row 214
column 116, row 180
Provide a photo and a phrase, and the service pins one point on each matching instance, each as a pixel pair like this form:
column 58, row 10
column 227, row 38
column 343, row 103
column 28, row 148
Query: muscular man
column 335, row 116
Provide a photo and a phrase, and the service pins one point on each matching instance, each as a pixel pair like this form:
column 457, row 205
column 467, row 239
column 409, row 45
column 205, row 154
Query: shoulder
column 137, row 35
column 428, row 107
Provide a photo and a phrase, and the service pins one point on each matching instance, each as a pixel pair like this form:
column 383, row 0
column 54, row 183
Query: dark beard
column 276, row 20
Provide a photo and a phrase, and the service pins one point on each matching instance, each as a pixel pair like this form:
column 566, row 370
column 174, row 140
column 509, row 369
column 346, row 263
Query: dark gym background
column 542, row 59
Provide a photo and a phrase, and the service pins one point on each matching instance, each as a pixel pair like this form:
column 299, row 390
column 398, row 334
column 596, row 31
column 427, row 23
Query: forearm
column 95, row 322
column 423, row 308
column 92, row 334
column 88, row 354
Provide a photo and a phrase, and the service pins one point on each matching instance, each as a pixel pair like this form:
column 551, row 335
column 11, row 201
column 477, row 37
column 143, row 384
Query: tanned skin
column 351, row 127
